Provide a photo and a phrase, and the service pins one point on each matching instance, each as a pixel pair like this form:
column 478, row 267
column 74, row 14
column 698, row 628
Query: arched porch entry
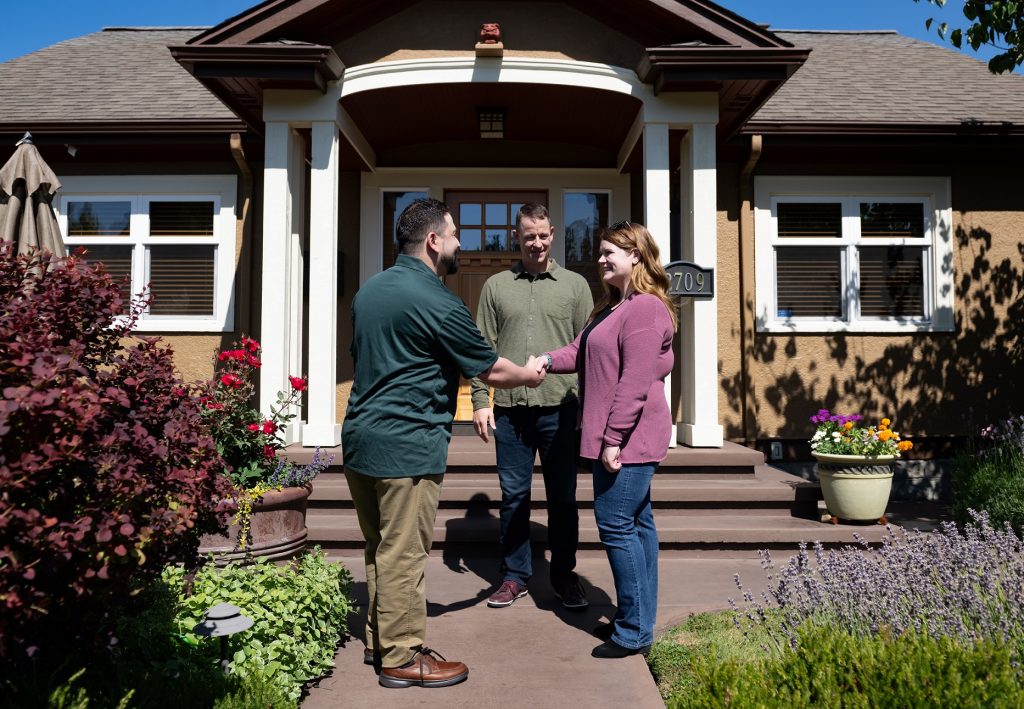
column 384, row 117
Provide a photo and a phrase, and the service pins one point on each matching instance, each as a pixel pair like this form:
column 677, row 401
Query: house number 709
column 689, row 280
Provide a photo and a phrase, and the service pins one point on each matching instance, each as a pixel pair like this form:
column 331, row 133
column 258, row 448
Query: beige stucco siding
column 934, row 384
column 442, row 28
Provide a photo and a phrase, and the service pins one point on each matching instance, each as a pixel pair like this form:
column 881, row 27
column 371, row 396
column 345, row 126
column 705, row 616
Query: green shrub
column 300, row 612
column 835, row 669
column 154, row 660
column 990, row 480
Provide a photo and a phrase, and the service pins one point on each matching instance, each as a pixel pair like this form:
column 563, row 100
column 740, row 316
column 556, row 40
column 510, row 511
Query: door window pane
column 99, row 218
column 497, row 214
column 586, row 213
column 394, row 204
column 808, row 283
column 495, row 240
column 469, row 239
column 469, row 214
column 181, row 280
column 181, row 218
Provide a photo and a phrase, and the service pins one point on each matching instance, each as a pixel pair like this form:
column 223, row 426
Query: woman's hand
column 610, row 459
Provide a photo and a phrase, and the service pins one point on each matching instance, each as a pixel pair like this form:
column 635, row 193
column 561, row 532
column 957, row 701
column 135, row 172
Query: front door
column 485, row 220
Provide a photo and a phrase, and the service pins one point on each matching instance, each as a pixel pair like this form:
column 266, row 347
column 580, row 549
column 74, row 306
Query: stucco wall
column 442, row 28
column 935, row 384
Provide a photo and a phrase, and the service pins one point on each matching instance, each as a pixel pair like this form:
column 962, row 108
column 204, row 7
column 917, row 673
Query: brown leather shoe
column 424, row 670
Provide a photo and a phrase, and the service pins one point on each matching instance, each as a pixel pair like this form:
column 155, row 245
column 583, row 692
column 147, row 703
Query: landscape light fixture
column 221, row 621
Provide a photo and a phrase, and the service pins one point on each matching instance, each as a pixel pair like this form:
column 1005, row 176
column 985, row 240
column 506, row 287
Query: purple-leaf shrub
column 964, row 585
column 107, row 472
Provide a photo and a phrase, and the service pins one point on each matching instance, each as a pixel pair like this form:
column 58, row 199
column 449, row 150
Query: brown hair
column 531, row 210
column 648, row 275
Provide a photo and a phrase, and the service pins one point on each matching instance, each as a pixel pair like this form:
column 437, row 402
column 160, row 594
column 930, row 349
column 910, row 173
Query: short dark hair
column 531, row 210
column 417, row 220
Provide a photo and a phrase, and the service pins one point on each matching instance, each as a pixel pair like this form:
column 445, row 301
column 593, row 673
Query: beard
column 450, row 266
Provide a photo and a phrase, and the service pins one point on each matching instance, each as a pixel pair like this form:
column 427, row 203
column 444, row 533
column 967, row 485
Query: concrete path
column 532, row 654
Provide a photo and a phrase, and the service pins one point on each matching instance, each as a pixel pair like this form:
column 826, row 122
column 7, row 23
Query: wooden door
column 486, row 220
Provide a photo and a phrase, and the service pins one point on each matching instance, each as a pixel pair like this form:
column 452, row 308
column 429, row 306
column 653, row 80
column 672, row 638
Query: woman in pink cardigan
column 623, row 357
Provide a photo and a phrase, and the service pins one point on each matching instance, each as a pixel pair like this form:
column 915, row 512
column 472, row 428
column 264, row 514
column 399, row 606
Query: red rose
column 253, row 361
column 251, row 345
column 253, row 427
column 298, row 383
column 268, row 452
column 231, row 380
column 269, row 427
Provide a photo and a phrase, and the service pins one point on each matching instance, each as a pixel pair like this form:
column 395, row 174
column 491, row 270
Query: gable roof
column 653, row 22
column 115, row 76
column 865, row 79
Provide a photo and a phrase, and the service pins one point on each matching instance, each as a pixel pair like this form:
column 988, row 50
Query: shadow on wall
column 933, row 384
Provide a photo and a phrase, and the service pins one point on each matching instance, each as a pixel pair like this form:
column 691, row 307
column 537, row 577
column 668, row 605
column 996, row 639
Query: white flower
column 836, row 435
column 818, row 435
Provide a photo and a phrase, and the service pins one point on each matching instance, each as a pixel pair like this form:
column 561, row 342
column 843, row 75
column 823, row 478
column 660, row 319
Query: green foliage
column 998, row 23
column 830, row 668
column 300, row 612
column 991, row 481
column 155, row 662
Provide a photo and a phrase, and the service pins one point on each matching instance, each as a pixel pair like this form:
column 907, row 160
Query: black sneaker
column 571, row 594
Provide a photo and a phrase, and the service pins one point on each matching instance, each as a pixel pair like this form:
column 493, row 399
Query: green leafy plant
column 844, row 434
column 989, row 476
column 300, row 612
column 833, row 668
column 995, row 23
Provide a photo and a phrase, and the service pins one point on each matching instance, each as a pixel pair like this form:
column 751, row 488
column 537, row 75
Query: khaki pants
column 396, row 516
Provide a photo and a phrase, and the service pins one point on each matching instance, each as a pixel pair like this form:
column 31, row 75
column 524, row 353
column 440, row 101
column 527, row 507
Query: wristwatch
column 548, row 359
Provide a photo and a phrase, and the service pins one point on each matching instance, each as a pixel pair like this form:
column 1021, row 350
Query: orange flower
column 886, row 422
column 848, row 425
column 905, row 445
column 884, row 435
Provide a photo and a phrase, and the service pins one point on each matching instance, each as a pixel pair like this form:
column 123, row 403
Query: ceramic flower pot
column 277, row 530
column 855, row 487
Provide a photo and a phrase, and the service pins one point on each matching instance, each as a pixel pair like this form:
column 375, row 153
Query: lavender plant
column 962, row 585
column 287, row 474
column 989, row 475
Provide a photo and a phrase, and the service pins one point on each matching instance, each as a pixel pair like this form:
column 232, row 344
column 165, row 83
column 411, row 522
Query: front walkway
column 533, row 654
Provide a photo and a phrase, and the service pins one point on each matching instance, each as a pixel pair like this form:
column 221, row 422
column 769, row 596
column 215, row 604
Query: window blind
column 808, row 282
column 810, row 219
column 181, row 280
column 891, row 282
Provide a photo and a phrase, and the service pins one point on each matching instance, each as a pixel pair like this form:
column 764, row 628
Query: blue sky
column 28, row 26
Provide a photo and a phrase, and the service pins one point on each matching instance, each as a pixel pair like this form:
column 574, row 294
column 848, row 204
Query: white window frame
column 140, row 191
column 932, row 192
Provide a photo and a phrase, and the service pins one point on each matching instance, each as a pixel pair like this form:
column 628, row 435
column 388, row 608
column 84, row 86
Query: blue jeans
column 622, row 507
column 519, row 433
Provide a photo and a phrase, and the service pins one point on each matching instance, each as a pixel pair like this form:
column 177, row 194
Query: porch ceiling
column 550, row 126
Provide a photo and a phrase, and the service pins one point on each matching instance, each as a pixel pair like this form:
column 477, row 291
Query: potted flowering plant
column 270, row 492
column 855, row 464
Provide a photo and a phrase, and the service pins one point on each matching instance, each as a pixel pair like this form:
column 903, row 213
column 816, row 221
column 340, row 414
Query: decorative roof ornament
column 489, row 44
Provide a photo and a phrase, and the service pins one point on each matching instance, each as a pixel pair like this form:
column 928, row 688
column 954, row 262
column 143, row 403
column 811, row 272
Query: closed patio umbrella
column 27, row 186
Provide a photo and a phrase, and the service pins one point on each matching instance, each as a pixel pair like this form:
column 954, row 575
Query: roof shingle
column 884, row 77
column 123, row 74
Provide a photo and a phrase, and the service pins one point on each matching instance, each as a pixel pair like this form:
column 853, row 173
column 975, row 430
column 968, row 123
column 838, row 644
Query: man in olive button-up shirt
column 535, row 306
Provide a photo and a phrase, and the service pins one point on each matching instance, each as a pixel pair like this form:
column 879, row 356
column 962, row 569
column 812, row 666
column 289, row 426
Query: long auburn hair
column 648, row 276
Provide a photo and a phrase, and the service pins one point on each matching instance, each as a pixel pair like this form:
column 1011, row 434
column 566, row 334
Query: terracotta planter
column 855, row 487
column 277, row 530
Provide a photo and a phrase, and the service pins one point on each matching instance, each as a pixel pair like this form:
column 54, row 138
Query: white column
column 699, row 324
column 657, row 207
column 321, row 428
column 297, row 181
column 280, row 146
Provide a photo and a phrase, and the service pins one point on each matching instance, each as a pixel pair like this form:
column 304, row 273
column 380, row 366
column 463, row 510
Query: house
column 857, row 194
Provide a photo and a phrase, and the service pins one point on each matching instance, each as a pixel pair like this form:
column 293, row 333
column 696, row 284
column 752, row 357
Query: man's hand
column 610, row 459
column 482, row 418
column 537, row 369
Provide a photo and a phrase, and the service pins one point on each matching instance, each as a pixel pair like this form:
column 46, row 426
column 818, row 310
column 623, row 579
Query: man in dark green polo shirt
column 412, row 338
column 536, row 306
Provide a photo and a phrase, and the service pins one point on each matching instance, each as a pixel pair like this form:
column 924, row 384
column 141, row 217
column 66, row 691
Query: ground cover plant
column 107, row 472
column 924, row 620
column 156, row 661
column 989, row 475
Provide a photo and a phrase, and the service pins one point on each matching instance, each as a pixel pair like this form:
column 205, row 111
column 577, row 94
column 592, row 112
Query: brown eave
column 237, row 74
column 744, row 78
column 126, row 130
column 964, row 128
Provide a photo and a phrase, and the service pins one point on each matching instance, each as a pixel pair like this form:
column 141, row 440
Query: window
column 393, row 203
column 174, row 234
column 586, row 214
column 853, row 254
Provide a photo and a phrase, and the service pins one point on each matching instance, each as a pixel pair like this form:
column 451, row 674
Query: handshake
column 538, row 368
